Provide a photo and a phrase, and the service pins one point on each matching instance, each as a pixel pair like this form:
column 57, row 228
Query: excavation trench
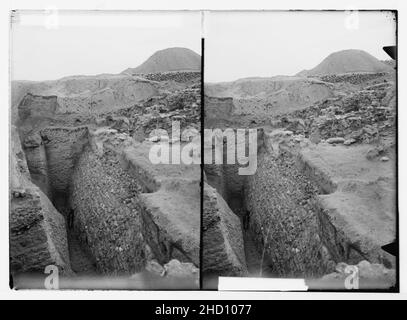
column 52, row 155
column 97, row 198
column 230, row 186
column 277, row 214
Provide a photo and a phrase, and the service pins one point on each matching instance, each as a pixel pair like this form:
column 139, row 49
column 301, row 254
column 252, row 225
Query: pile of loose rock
column 354, row 78
column 158, row 112
column 363, row 116
column 185, row 76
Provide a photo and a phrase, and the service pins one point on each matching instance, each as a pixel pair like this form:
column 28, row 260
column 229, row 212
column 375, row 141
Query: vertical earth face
column 324, row 193
column 84, row 195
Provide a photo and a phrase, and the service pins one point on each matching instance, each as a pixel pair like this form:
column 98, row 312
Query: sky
column 264, row 44
column 50, row 45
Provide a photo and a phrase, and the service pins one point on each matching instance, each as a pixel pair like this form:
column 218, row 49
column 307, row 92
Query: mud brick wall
column 105, row 217
column 279, row 199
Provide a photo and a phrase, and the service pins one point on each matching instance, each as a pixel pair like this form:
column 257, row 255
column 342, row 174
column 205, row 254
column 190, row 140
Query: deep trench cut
column 277, row 213
column 51, row 162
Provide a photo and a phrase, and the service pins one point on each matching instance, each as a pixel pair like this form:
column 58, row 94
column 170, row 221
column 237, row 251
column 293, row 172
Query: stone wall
column 105, row 215
column 173, row 76
column 279, row 199
column 354, row 78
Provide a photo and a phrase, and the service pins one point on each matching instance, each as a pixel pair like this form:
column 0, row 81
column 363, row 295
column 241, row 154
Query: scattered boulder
column 349, row 141
column 335, row 140
column 154, row 267
column 175, row 268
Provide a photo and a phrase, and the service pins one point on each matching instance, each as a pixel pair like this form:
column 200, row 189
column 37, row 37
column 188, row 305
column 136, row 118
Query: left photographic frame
column 105, row 122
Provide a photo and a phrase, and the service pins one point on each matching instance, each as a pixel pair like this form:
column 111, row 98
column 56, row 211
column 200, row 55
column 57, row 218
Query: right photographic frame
column 300, row 151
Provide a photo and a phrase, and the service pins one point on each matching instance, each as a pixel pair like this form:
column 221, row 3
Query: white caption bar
column 261, row 284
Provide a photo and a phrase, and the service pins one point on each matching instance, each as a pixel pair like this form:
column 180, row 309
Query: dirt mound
column 171, row 59
column 346, row 61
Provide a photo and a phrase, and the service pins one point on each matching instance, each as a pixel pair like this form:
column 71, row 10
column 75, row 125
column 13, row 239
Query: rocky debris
column 173, row 76
column 223, row 248
column 175, row 268
column 367, row 275
column 353, row 78
column 363, row 116
column 181, row 104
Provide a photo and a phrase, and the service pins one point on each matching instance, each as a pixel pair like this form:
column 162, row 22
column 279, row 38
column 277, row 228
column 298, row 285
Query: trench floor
column 252, row 254
column 82, row 262
column 253, row 257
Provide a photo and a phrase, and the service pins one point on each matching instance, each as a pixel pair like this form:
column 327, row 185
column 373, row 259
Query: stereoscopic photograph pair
column 203, row 150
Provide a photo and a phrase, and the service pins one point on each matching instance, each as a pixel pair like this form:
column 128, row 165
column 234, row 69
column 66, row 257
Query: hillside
column 347, row 61
column 171, row 59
